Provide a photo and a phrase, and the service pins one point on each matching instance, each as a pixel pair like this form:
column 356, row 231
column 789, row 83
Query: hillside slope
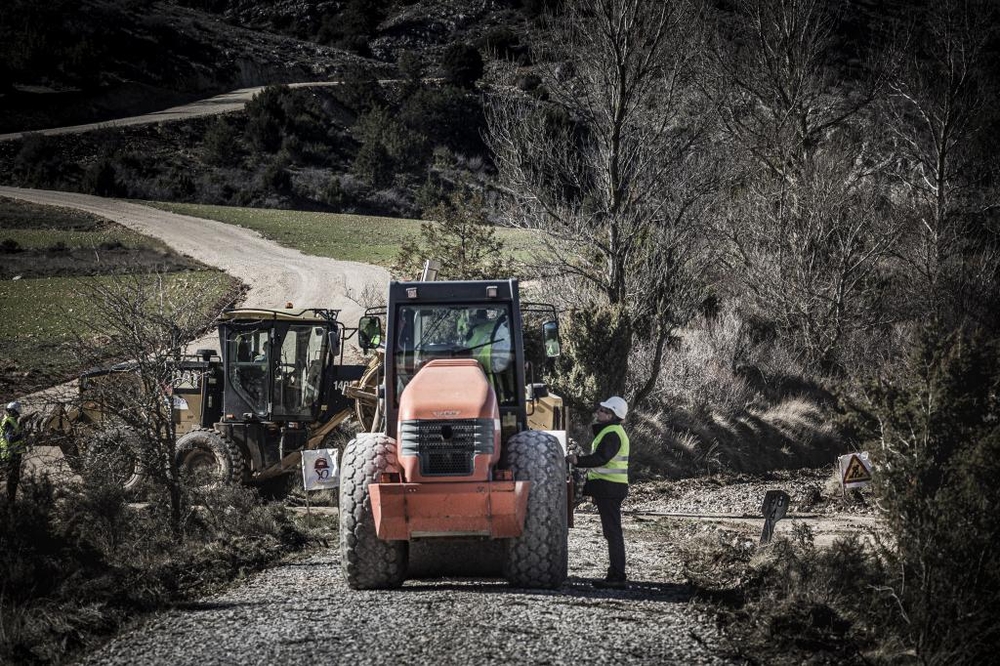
column 68, row 62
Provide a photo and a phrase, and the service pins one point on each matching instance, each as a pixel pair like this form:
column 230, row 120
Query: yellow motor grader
column 242, row 415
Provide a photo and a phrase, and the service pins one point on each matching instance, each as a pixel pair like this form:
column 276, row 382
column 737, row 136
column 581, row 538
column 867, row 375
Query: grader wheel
column 365, row 395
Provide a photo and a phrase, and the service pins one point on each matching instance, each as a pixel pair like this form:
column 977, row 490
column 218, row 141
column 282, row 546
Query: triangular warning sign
column 856, row 471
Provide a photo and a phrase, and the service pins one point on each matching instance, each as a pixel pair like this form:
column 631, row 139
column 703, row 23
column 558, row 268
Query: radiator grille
column 446, row 448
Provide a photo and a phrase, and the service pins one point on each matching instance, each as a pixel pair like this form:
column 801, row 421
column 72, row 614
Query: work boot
column 611, row 584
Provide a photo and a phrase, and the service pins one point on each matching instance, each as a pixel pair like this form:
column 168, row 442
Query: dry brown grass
column 730, row 402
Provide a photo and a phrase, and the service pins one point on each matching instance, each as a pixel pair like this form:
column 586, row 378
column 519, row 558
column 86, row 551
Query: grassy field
column 42, row 317
column 47, row 257
column 372, row 240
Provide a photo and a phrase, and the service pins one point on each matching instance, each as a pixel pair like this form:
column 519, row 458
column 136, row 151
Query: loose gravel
column 303, row 612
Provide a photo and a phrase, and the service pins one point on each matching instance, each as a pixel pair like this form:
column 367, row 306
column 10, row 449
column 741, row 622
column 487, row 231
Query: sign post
column 855, row 471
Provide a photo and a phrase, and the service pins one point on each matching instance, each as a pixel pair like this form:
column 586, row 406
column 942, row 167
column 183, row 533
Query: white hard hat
column 14, row 407
column 616, row 405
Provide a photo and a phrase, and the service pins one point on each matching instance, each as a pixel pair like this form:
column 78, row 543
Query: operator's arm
column 607, row 450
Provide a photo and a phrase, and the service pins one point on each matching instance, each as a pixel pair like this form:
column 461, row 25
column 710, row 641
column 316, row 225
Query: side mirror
column 550, row 336
column 369, row 333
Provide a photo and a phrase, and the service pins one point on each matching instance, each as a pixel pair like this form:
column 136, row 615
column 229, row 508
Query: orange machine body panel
column 494, row 509
column 431, row 501
column 449, row 390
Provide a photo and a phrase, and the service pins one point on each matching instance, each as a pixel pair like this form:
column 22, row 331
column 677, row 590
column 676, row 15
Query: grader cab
column 457, row 482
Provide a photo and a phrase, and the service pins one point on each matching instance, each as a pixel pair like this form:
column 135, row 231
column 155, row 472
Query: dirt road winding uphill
column 274, row 274
column 228, row 102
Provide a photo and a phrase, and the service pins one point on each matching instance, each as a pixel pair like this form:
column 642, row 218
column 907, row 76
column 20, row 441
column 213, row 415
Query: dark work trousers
column 13, row 474
column 610, row 509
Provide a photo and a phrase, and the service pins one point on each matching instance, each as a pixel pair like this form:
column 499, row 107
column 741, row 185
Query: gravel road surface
column 303, row 612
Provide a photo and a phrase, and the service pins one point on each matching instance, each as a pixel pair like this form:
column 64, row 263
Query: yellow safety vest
column 482, row 335
column 8, row 448
column 616, row 469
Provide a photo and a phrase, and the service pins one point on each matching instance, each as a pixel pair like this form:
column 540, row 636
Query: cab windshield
column 457, row 331
column 277, row 369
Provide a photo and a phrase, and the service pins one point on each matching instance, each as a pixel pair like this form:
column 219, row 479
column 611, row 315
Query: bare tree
column 609, row 170
column 939, row 110
column 808, row 224
column 145, row 320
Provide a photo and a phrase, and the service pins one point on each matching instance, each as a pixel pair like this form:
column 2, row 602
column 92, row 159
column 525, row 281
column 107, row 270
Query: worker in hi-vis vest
column 607, row 482
column 11, row 448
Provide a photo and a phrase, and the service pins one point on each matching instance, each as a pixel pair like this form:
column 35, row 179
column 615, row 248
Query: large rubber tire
column 368, row 562
column 115, row 452
column 539, row 558
column 207, row 460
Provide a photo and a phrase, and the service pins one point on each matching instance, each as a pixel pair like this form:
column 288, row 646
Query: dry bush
column 804, row 431
column 700, row 372
column 789, row 602
column 716, row 563
column 237, row 514
column 78, row 561
column 677, row 442
column 658, row 450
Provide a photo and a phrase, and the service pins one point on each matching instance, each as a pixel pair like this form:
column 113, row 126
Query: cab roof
column 305, row 315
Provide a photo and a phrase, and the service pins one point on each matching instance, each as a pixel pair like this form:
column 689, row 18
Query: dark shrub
column 220, row 146
column 101, row 178
column 334, row 194
column 387, row 147
column 373, row 164
column 594, row 361
column 276, row 178
column 528, row 82
column 461, row 65
column 447, row 116
column 352, row 27
column 360, row 91
column 37, row 162
column 267, row 115
column 411, row 66
column 939, row 438
column 10, row 246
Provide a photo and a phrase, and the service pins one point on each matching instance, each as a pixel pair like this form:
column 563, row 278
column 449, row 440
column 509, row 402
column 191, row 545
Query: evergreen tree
column 458, row 234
